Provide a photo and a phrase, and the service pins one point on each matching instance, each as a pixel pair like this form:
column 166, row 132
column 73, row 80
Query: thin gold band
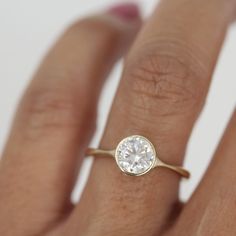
column 184, row 173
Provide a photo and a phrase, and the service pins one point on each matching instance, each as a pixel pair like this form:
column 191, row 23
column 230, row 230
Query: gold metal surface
column 158, row 163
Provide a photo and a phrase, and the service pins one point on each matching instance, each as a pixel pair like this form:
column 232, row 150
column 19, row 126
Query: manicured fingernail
column 126, row 11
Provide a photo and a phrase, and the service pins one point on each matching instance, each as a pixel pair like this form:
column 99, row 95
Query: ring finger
column 164, row 84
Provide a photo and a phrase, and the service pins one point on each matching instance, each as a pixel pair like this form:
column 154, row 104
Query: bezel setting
column 135, row 155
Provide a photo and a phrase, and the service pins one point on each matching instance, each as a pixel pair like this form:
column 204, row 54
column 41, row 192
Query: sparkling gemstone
column 135, row 155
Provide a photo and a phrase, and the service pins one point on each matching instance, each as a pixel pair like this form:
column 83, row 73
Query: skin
column 167, row 71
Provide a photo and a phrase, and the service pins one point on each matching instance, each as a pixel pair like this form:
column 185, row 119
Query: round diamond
column 135, row 155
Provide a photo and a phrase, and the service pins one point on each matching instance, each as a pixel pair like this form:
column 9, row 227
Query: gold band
column 184, row 173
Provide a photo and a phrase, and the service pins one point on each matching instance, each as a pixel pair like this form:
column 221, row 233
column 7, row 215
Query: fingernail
column 126, row 11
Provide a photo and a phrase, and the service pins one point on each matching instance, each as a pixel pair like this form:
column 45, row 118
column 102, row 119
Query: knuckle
column 164, row 84
column 47, row 109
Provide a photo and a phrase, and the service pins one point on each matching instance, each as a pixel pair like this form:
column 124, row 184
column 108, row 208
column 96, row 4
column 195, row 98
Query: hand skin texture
column 169, row 62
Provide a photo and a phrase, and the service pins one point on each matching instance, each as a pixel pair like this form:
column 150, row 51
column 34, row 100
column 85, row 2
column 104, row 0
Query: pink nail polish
column 126, row 11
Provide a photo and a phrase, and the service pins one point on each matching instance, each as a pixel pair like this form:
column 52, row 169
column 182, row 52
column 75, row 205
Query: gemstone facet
column 135, row 155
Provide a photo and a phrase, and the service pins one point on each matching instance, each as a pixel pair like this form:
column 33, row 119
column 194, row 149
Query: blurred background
column 28, row 28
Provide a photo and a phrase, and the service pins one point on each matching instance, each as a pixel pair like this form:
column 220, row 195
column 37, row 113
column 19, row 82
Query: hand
column 165, row 81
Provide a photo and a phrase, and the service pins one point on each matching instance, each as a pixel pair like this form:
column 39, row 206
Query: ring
column 136, row 155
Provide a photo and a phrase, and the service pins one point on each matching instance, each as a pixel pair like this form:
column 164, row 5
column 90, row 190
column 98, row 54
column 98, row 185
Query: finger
column 165, row 80
column 55, row 122
column 213, row 203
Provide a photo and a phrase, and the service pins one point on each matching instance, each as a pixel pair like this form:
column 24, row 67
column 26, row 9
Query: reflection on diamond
column 135, row 155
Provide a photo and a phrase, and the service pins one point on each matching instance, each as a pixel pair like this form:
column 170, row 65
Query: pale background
column 28, row 28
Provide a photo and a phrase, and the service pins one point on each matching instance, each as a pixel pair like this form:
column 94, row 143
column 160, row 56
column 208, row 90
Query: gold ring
column 136, row 155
